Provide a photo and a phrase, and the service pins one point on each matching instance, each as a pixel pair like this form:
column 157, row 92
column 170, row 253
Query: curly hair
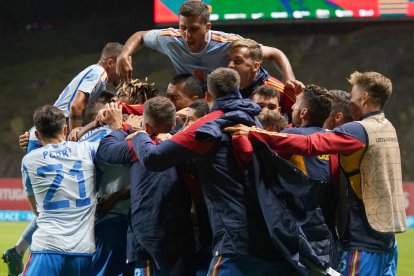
column 136, row 91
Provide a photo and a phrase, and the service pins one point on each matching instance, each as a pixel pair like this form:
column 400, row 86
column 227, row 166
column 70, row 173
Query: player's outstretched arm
column 76, row 108
column 281, row 60
column 124, row 60
column 24, row 141
column 32, row 203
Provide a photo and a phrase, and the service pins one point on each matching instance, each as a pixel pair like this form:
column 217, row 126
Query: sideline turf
column 11, row 231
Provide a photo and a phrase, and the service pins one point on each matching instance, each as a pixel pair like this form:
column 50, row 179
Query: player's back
column 62, row 179
column 91, row 80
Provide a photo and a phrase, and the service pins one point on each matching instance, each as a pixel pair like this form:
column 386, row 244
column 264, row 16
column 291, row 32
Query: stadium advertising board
column 14, row 205
column 166, row 11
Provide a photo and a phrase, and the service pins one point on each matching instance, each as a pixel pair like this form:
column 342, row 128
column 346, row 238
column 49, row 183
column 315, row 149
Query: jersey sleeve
column 158, row 39
column 27, row 184
column 90, row 82
column 343, row 142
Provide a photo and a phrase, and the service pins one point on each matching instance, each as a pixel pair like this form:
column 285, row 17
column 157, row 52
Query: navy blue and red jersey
column 234, row 216
column 287, row 97
column 160, row 225
column 350, row 142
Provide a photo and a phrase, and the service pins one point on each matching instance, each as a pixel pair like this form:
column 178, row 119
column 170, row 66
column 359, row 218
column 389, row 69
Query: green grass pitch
column 10, row 232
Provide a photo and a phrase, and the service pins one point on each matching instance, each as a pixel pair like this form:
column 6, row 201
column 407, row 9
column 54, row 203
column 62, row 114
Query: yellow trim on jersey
column 170, row 32
column 299, row 162
column 270, row 133
column 351, row 163
column 222, row 38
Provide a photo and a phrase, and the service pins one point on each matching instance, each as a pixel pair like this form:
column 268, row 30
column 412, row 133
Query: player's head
column 159, row 115
column 272, row 120
column 50, row 122
column 136, row 91
column 183, row 89
column 221, row 82
column 108, row 60
column 369, row 90
column 194, row 24
column 266, row 97
column 198, row 109
column 245, row 56
column 312, row 106
column 91, row 111
column 340, row 113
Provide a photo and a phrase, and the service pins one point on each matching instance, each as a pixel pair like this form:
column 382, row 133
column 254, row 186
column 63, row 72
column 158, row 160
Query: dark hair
column 340, row 103
column 91, row 111
column 49, row 121
column 192, row 86
column 266, row 91
column 200, row 108
column 137, row 91
column 222, row 81
column 195, row 8
column 318, row 101
column 160, row 112
column 379, row 87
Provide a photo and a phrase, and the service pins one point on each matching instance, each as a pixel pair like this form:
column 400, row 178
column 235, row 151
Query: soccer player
column 59, row 180
column 241, row 245
column 371, row 206
column 86, row 87
column 193, row 48
column 246, row 56
column 266, row 97
column 340, row 113
column 184, row 89
column 160, row 237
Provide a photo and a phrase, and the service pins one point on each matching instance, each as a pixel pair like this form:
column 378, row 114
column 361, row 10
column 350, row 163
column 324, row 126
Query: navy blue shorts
column 358, row 262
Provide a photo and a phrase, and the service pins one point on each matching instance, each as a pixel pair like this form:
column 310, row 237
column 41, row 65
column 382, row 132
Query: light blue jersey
column 61, row 177
column 91, row 81
column 170, row 42
column 112, row 177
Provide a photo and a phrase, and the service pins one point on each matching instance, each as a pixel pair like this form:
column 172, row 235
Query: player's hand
column 182, row 115
column 294, row 87
column 163, row 137
column 135, row 121
column 112, row 115
column 24, row 141
column 238, row 130
column 124, row 67
column 73, row 135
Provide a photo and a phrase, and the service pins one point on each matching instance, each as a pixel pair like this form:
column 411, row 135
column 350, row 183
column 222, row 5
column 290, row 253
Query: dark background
column 44, row 44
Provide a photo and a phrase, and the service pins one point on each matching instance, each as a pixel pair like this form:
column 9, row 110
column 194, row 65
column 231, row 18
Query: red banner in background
column 12, row 195
column 409, row 198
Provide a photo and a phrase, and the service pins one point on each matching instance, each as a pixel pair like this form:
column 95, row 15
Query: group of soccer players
column 197, row 182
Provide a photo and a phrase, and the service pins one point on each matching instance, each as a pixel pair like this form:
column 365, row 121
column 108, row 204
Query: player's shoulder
column 353, row 129
column 170, row 32
column 222, row 37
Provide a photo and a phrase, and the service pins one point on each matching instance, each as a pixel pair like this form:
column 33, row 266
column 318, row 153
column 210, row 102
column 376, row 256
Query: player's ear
column 38, row 135
column 208, row 26
column 339, row 117
column 256, row 66
column 65, row 130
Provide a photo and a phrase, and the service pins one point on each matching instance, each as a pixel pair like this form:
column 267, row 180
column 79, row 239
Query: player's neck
column 54, row 140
